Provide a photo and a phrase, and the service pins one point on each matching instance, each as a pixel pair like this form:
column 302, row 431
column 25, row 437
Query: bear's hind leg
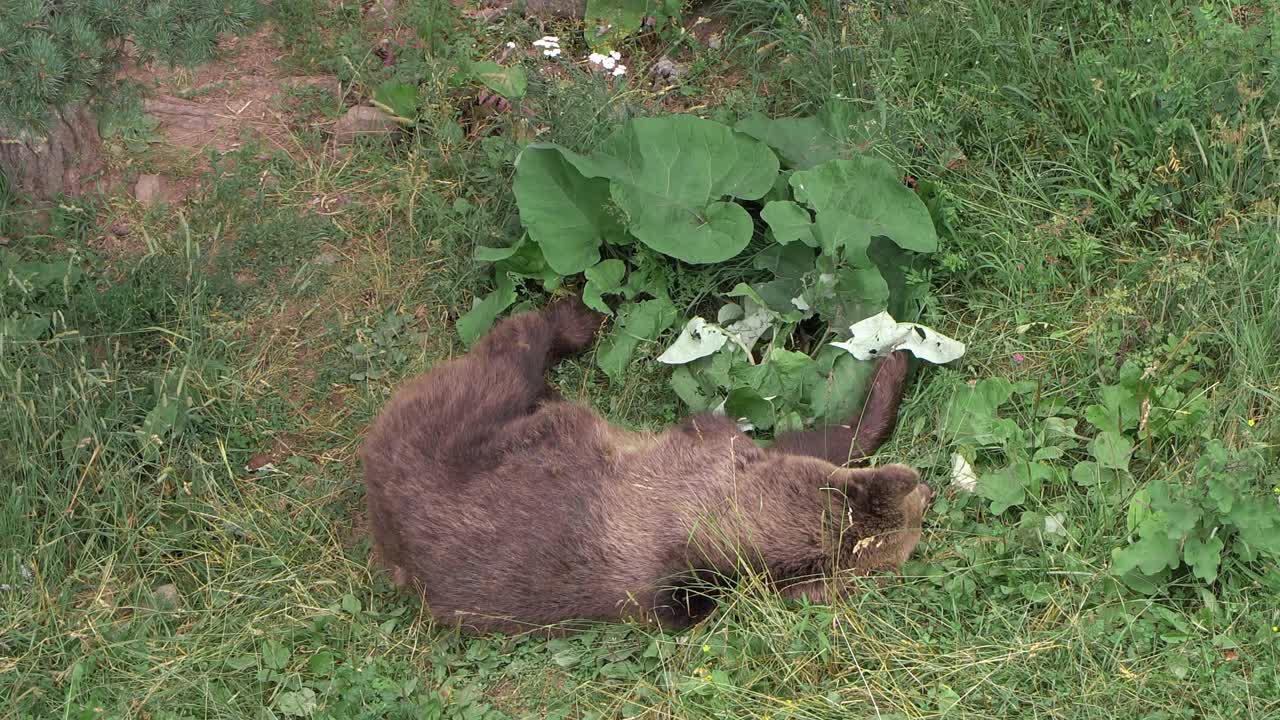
column 852, row 444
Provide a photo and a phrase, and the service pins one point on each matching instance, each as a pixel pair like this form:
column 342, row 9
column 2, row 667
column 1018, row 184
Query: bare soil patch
column 228, row 102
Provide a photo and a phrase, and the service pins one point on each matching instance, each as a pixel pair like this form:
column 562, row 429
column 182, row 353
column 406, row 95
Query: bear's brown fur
column 510, row 509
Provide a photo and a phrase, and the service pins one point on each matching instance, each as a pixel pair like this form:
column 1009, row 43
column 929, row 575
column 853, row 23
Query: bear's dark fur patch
column 511, row 510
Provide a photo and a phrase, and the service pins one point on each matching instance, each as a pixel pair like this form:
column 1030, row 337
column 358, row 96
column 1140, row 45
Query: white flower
column 595, row 58
column 608, row 63
column 620, row 70
column 962, row 475
column 511, row 45
column 615, row 54
column 554, row 52
column 550, row 42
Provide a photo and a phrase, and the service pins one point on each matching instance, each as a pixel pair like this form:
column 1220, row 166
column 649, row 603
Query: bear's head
column 872, row 525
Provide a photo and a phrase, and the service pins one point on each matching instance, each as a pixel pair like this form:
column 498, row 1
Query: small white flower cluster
column 550, row 45
column 609, row 62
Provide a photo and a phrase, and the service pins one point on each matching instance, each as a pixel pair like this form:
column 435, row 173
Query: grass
column 1111, row 179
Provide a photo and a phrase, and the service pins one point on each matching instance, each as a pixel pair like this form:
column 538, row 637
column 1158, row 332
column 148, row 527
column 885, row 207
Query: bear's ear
column 848, row 492
column 892, row 483
column 877, row 488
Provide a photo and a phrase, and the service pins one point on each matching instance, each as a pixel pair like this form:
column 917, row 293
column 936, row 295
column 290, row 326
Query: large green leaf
column 509, row 82
column 896, row 265
column 477, row 321
column 601, row 279
column 1089, row 473
column 607, row 22
column 1003, row 488
column 792, row 261
column 1008, row 486
column 789, row 222
column 689, row 389
column 746, row 403
column 1204, row 556
column 842, row 388
column 701, row 235
column 522, row 260
column 641, row 322
column 1259, row 528
column 973, row 416
column 400, row 99
column 805, row 142
column 671, row 175
column 1111, row 450
column 845, row 295
column 787, row 376
column 1119, row 410
column 23, row 327
column 859, row 199
column 1150, row 555
column 564, row 212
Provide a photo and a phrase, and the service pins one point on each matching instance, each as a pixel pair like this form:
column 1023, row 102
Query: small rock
column 259, row 460
column 667, row 69
column 149, row 189
column 486, row 15
column 188, row 123
column 384, row 10
column 165, row 597
column 120, row 229
column 363, row 120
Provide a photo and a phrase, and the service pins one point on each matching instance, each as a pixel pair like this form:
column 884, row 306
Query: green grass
column 1111, row 178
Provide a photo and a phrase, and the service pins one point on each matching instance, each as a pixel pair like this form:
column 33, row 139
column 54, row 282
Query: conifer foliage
column 56, row 53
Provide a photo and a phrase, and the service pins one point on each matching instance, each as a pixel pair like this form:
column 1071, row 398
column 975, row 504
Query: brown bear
column 510, row 509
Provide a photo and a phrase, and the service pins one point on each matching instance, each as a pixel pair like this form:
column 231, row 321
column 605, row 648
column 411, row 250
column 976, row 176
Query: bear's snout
column 926, row 493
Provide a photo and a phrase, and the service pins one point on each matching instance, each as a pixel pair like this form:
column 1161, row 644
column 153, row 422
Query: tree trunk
column 66, row 159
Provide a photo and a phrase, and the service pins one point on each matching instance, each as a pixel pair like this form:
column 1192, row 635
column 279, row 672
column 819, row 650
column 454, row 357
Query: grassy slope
column 1112, row 175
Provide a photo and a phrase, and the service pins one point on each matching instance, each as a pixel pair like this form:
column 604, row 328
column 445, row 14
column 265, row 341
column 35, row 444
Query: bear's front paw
column 574, row 324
